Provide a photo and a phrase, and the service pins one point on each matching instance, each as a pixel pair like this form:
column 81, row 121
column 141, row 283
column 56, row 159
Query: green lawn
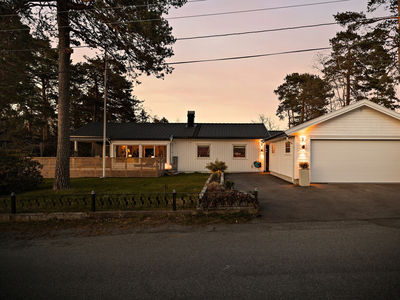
column 182, row 183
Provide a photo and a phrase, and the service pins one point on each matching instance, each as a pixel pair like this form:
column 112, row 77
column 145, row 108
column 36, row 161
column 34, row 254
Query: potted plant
column 304, row 174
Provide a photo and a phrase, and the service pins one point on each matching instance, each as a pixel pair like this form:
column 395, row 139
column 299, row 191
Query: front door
column 266, row 169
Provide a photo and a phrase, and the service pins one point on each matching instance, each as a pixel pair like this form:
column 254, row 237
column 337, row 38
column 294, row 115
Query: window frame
column 287, row 143
column 209, row 151
column 239, row 157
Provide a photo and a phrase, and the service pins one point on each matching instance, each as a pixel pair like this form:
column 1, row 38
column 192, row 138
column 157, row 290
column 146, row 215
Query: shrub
column 228, row 184
column 217, row 166
column 18, row 172
column 215, row 177
column 212, row 200
column 304, row 165
column 214, row 187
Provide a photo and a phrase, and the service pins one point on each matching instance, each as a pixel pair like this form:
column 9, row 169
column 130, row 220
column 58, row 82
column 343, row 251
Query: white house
column 188, row 147
column 357, row 143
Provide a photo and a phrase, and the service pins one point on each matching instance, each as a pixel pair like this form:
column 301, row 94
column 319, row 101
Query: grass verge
column 182, row 183
column 95, row 227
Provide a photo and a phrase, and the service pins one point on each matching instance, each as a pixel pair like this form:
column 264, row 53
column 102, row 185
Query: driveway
column 281, row 201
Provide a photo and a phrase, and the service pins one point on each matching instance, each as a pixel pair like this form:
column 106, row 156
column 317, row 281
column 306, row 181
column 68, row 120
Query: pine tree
column 136, row 34
column 302, row 97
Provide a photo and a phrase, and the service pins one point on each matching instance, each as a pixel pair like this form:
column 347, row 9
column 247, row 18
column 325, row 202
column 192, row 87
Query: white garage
column 357, row 143
column 355, row 161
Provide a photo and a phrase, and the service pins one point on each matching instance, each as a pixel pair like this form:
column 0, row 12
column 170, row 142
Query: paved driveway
column 281, row 201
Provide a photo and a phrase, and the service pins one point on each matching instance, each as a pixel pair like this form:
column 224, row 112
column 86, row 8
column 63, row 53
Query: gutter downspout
column 171, row 138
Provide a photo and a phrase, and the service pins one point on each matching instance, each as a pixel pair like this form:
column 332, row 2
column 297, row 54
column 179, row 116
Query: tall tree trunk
column 96, row 97
column 45, row 130
column 303, row 102
column 61, row 178
column 398, row 44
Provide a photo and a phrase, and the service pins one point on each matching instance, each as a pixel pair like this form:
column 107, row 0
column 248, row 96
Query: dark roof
column 274, row 134
column 161, row 131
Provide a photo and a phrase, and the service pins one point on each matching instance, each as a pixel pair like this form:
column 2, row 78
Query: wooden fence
column 115, row 167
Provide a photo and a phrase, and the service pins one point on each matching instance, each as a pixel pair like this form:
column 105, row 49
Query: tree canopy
column 363, row 64
column 135, row 35
column 302, row 97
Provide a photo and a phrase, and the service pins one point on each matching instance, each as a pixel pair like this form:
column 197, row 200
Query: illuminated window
column 239, row 151
column 203, row 151
column 120, row 151
column 161, row 151
column 287, row 147
column 148, row 151
column 273, row 148
column 133, row 151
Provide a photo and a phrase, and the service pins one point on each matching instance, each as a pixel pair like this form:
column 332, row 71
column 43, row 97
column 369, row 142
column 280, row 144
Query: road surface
column 299, row 260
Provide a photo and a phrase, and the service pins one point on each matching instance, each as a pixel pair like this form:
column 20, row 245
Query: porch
column 115, row 166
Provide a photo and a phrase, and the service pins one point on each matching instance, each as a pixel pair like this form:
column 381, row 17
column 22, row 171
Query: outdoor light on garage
column 303, row 142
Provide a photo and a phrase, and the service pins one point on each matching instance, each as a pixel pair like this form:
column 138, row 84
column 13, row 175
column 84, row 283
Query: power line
column 212, row 60
column 122, row 7
column 218, row 35
column 206, row 15
column 272, row 30
column 248, row 56
column 217, row 59
column 234, row 12
column 106, row 8
column 255, row 31
column 40, row 49
column 207, row 36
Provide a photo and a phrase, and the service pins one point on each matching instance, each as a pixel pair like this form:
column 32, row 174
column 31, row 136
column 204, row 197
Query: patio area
column 115, row 167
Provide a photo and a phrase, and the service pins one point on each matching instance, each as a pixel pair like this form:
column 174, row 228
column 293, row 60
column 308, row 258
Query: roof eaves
column 279, row 135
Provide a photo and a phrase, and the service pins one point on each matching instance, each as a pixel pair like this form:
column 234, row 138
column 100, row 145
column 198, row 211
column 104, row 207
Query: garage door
column 355, row 161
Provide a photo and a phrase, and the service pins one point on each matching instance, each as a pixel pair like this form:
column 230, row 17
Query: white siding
column 222, row 150
column 281, row 162
column 359, row 123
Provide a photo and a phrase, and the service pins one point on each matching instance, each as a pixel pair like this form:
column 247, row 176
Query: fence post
column 13, row 204
column 93, row 201
column 174, row 200
column 256, row 194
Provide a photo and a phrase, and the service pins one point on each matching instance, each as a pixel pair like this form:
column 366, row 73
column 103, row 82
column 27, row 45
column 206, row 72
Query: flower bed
column 215, row 197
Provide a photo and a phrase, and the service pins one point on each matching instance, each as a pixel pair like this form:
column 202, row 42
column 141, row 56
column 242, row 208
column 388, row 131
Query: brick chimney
column 190, row 119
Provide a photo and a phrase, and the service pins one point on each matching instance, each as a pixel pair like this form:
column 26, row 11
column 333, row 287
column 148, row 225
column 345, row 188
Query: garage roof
column 342, row 111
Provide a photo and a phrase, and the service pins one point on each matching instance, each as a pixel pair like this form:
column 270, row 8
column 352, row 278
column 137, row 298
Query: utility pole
column 105, row 114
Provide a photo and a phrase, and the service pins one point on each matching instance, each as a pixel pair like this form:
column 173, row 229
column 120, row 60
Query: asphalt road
column 302, row 260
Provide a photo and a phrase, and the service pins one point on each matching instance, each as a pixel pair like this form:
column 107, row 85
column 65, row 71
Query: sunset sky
column 237, row 91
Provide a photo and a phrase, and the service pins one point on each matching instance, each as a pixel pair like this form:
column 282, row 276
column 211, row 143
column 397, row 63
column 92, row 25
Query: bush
column 217, row 166
column 18, row 172
column 214, row 187
column 304, row 165
column 215, row 177
column 212, row 200
column 228, row 184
